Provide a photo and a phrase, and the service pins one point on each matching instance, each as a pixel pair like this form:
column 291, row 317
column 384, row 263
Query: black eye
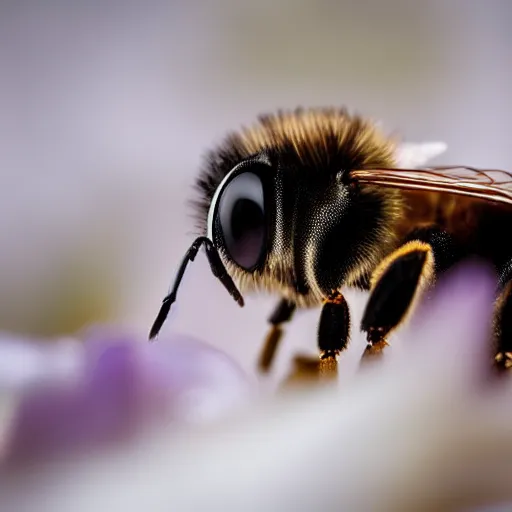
column 242, row 219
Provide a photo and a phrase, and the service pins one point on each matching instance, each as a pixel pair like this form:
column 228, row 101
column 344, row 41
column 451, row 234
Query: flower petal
column 125, row 385
column 395, row 439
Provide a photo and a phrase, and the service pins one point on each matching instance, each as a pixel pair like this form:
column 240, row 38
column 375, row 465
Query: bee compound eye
column 242, row 220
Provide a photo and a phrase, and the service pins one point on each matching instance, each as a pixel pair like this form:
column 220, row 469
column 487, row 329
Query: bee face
column 281, row 210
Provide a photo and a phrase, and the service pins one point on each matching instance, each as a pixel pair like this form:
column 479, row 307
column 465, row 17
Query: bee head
column 278, row 202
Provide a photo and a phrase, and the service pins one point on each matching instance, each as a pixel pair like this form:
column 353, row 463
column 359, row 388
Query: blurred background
column 106, row 109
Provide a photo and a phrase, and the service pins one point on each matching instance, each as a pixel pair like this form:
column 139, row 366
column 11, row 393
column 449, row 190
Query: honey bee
column 308, row 202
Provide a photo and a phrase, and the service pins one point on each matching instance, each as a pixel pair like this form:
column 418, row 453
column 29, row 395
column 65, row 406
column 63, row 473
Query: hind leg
column 503, row 321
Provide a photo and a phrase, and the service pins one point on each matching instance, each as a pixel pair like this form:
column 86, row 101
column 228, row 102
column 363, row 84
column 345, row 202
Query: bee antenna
column 218, row 270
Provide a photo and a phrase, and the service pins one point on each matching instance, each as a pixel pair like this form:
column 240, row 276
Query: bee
column 306, row 203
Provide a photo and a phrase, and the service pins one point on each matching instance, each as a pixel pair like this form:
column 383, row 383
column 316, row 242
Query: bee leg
column 395, row 284
column 281, row 314
column 503, row 321
column 333, row 333
column 304, row 369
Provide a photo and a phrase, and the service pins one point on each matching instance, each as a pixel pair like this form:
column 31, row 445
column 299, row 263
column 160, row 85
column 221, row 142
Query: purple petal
column 454, row 326
column 126, row 385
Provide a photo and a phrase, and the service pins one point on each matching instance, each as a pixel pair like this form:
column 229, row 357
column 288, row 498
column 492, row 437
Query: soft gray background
column 107, row 107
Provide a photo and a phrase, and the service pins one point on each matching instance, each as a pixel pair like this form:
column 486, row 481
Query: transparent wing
column 490, row 184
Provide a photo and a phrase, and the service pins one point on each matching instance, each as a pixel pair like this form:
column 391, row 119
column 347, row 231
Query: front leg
column 281, row 314
column 333, row 333
column 399, row 280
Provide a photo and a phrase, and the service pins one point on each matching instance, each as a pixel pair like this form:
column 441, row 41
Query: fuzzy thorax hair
column 325, row 139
